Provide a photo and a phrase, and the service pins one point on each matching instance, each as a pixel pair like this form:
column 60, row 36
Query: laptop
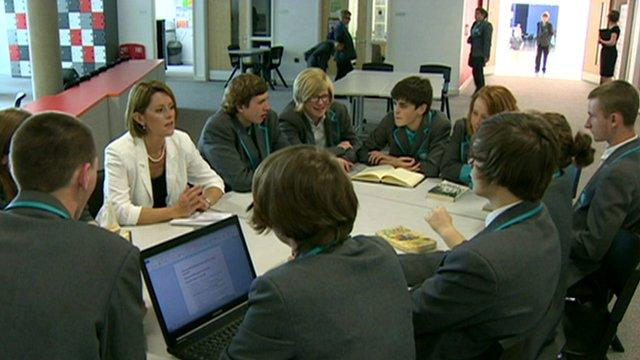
column 199, row 285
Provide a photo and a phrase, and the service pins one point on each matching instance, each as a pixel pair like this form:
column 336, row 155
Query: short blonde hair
column 309, row 83
column 241, row 90
column 139, row 100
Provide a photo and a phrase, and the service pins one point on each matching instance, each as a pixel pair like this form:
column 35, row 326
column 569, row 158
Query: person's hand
column 339, row 46
column 407, row 162
column 191, row 200
column 346, row 164
column 439, row 220
column 345, row 145
column 376, row 156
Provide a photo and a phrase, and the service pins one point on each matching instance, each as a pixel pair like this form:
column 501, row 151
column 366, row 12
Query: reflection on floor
column 522, row 63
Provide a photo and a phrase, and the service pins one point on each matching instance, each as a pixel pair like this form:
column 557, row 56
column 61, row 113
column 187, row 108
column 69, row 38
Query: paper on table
column 201, row 219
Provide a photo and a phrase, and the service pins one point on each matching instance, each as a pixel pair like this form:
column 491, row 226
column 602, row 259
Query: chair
column 132, row 51
column 235, row 62
column 18, row 99
column 275, row 56
column 372, row 66
column 69, row 78
column 446, row 74
column 97, row 197
column 621, row 275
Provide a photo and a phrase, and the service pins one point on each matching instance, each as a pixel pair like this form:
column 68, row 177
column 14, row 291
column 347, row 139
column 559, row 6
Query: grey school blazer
column 233, row 153
column 610, row 202
column 348, row 303
column 337, row 128
column 428, row 147
column 68, row 290
column 495, row 286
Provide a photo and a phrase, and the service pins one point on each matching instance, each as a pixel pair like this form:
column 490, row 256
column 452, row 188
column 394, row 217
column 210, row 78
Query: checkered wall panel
column 82, row 35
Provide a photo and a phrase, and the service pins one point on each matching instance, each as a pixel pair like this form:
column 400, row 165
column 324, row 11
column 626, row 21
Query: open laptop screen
column 198, row 275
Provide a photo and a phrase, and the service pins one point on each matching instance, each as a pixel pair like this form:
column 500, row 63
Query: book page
column 406, row 177
column 374, row 173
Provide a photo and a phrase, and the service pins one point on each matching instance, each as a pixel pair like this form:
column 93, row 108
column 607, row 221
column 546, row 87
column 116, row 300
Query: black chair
column 446, row 74
column 18, row 99
column 97, row 197
column 69, row 76
column 275, row 58
column 235, row 62
column 373, row 66
column 621, row 274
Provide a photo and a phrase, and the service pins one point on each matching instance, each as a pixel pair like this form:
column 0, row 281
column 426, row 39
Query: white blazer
column 127, row 182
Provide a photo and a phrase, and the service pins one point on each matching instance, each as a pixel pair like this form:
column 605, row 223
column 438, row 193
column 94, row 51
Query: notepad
column 387, row 174
column 407, row 240
column 201, row 219
column 447, row 191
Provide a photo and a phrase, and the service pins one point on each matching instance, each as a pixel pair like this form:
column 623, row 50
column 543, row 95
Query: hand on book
column 345, row 145
column 406, row 162
column 346, row 164
column 442, row 223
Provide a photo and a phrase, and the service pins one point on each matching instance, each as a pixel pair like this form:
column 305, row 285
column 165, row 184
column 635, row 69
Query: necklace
column 159, row 158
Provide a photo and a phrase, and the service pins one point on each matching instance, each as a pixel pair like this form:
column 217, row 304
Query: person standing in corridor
column 543, row 40
column 480, row 40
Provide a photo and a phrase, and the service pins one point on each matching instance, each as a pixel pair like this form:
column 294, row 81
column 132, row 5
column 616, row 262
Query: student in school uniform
column 611, row 200
column 242, row 133
column 575, row 152
column 148, row 169
column 490, row 290
column 415, row 134
column 314, row 118
column 488, row 101
column 339, row 296
column 607, row 209
column 68, row 290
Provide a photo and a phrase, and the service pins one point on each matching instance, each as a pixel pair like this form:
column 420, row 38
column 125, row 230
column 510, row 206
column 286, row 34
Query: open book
column 389, row 175
column 200, row 219
column 447, row 191
column 407, row 240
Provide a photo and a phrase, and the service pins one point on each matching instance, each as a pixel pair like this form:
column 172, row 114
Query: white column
column 44, row 48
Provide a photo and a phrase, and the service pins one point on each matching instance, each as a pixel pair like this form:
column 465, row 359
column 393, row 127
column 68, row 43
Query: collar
column 42, row 198
column 495, row 213
column 313, row 123
column 610, row 150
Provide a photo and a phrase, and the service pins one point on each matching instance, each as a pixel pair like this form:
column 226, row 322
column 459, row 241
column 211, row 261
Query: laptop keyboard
column 210, row 346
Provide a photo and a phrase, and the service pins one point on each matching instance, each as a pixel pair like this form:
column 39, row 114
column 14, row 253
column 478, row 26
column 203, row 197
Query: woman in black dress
column 608, row 52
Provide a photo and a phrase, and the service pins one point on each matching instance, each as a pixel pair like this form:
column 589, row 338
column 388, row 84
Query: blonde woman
column 314, row 118
column 148, row 169
column 489, row 100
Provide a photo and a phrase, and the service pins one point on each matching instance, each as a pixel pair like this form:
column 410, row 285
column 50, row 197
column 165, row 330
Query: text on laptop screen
column 200, row 276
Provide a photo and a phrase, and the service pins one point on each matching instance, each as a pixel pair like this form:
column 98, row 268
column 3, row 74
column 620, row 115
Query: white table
column 380, row 207
column 359, row 84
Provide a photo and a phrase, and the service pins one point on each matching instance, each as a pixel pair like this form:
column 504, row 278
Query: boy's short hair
column 241, row 90
column 497, row 98
column 47, row 149
column 617, row 96
column 139, row 100
column 484, row 12
column 309, row 83
column 344, row 13
column 302, row 193
column 545, row 14
column 517, row 151
column 415, row 90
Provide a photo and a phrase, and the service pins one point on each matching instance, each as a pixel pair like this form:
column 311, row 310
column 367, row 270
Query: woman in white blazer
column 148, row 169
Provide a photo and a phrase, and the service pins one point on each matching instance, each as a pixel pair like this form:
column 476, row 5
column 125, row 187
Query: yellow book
column 407, row 240
column 389, row 175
